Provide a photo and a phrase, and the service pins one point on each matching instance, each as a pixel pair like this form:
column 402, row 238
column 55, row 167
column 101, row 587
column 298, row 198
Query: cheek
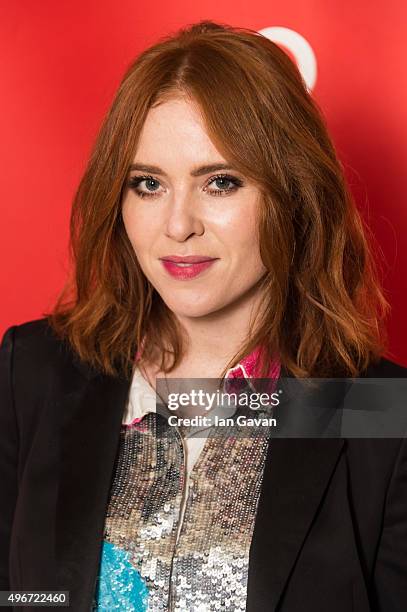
column 139, row 230
column 242, row 233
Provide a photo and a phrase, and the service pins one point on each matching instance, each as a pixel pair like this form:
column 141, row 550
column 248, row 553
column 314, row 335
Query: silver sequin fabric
column 144, row 566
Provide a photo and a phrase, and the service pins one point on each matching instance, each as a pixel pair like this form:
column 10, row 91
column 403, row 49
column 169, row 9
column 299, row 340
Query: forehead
column 174, row 131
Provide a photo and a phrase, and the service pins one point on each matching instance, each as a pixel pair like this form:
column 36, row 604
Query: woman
column 213, row 237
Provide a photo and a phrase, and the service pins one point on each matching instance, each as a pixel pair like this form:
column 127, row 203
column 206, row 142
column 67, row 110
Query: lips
column 187, row 258
column 187, row 267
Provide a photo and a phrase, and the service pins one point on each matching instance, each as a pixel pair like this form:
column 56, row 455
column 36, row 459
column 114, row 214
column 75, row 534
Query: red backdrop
column 61, row 63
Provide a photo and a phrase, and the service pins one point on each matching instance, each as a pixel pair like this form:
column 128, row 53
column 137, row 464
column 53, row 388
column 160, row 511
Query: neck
column 213, row 340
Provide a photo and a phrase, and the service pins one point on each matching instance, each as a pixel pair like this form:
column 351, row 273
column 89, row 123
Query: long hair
column 323, row 308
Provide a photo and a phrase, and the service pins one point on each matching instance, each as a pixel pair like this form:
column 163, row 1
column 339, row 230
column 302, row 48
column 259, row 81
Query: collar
column 142, row 397
column 249, row 367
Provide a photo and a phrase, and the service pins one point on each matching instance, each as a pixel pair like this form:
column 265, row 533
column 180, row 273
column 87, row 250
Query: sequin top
column 181, row 511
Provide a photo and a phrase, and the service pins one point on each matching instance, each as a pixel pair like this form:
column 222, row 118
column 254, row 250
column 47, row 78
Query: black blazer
column 331, row 527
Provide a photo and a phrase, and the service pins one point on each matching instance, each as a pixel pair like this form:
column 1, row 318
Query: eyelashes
column 135, row 181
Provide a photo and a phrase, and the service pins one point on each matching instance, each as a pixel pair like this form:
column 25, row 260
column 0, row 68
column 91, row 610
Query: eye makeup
column 135, row 181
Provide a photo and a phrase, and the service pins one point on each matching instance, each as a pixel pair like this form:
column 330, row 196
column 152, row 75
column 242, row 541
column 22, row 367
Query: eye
column 151, row 184
column 223, row 180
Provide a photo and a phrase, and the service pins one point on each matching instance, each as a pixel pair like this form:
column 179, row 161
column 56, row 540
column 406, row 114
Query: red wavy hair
column 324, row 307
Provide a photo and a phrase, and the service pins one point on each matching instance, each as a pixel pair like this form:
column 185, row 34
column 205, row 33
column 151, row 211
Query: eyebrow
column 199, row 171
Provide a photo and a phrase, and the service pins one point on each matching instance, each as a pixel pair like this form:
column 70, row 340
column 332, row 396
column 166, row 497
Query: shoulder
column 382, row 455
column 34, row 340
column 35, row 331
column 36, row 328
column 385, row 368
column 38, row 359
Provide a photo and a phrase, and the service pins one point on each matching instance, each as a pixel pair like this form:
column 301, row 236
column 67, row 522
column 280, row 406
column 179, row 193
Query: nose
column 183, row 218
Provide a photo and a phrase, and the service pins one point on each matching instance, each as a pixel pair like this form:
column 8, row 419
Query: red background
column 61, row 63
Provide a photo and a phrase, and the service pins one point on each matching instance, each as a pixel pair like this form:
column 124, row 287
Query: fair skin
column 195, row 215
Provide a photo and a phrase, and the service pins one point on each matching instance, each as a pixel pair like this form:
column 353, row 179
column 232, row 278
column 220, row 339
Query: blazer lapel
column 90, row 420
column 296, row 474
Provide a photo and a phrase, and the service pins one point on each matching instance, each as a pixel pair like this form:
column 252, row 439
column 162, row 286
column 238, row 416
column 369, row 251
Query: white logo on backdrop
column 299, row 47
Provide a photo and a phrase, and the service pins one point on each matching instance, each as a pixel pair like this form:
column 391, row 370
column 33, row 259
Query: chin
column 192, row 310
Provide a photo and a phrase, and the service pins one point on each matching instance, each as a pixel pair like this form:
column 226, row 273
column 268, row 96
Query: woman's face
column 182, row 208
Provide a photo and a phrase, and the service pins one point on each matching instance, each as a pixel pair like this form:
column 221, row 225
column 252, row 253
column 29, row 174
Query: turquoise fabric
column 120, row 585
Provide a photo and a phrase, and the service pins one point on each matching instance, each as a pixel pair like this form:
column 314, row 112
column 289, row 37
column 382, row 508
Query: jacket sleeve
column 8, row 453
column 390, row 576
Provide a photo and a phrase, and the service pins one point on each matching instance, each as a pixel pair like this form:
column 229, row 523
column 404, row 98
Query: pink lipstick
column 184, row 267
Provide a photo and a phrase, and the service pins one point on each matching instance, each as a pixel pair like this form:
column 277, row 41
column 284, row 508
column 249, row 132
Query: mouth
column 181, row 264
column 183, row 270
